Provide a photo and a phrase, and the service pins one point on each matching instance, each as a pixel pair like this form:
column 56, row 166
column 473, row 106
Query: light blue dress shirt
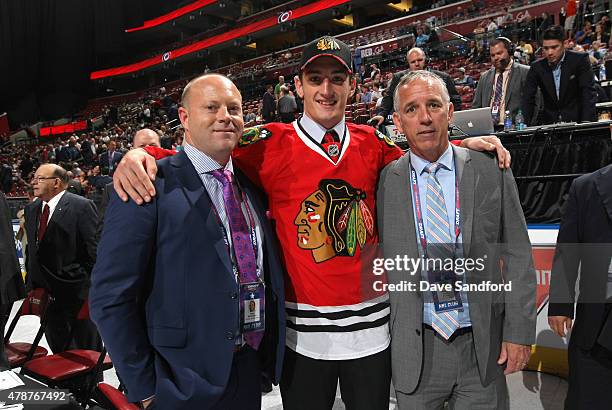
column 446, row 177
column 557, row 74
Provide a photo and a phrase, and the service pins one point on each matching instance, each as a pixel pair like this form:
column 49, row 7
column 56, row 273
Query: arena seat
column 36, row 303
column 111, row 398
column 76, row 370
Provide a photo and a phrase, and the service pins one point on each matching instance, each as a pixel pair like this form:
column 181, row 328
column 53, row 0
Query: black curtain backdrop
column 545, row 164
column 48, row 48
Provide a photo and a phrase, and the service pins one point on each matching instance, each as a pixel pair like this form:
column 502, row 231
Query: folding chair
column 111, row 398
column 35, row 304
column 76, row 370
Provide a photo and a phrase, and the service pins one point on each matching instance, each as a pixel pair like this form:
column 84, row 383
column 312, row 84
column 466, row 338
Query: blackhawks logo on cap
column 327, row 43
column 252, row 135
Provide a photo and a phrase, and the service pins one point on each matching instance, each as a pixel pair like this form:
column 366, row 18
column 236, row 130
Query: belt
column 459, row 332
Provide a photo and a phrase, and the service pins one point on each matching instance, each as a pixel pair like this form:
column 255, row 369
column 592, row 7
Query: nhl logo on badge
column 333, row 150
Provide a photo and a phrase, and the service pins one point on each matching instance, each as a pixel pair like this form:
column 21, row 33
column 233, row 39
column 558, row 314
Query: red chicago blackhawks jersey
column 325, row 216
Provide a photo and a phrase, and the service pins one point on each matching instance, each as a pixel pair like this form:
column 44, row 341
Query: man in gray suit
column 501, row 86
column 452, row 345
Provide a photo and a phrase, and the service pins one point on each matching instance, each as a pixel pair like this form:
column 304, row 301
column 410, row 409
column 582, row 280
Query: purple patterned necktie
column 244, row 251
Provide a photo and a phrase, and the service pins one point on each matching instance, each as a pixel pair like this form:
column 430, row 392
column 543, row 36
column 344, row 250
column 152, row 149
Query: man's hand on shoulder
column 489, row 143
column 133, row 176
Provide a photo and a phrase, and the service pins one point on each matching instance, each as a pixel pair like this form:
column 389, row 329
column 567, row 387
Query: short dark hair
column 62, row 174
column 501, row 40
column 554, row 33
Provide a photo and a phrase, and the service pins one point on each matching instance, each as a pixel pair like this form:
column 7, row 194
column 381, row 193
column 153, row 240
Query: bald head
column 146, row 137
column 416, row 59
column 198, row 84
column 49, row 180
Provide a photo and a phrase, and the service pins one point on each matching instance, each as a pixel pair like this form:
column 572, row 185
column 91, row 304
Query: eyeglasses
column 37, row 179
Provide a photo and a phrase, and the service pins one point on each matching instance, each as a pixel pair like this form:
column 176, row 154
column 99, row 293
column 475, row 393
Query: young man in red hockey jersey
column 320, row 175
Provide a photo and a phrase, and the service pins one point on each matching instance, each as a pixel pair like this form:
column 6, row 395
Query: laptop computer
column 473, row 122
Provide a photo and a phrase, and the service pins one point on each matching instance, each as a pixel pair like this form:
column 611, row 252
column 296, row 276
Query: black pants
column 60, row 320
column 590, row 378
column 243, row 390
column 310, row 384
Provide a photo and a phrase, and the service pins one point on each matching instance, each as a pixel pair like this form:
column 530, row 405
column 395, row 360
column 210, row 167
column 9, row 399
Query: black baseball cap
column 327, row 46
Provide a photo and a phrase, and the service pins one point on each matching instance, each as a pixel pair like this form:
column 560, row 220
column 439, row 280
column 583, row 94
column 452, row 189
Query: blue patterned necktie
column 499, row 85
column 438, row 233
column 244, row 251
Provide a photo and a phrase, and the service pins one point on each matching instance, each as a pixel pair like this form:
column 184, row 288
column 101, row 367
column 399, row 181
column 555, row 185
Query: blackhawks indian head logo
column 333, row 221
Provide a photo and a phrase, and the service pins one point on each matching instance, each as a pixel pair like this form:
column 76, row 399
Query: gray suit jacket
column 490, row 214
column 514, row 91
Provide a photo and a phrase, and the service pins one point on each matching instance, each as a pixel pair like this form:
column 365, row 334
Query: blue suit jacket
column 164, row 296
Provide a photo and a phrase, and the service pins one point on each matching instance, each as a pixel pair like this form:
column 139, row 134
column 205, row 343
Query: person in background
column 287, row 107
column 61, row 252
column 565, row 80
column 268, row 109
column 417, row 60
column 465, row 79
column 501, row 87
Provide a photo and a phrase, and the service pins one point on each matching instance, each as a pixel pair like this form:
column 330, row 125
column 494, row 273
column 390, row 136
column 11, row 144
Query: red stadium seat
column 76, row 369
column 36, row 303
column 111, row 398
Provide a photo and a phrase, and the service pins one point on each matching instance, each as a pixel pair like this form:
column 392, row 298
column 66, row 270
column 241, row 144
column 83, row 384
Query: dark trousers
column 60, row 321
column 590, row 377
column 243, row 390
column 310, row 384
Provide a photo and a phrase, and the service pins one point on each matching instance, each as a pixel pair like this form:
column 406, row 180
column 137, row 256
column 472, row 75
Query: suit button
column 229, row 335
column 418, row 332
column 234, row 295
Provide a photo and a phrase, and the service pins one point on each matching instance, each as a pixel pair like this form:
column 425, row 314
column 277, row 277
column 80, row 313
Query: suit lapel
column 55, row 220
column 513, row 72
column 564, row 82
column 32, row 218
column 198, row 197
column 405, row 212
column 549, row 81
column 60, row 210
column 465, row 175
column 603, row 183
column 488, row 91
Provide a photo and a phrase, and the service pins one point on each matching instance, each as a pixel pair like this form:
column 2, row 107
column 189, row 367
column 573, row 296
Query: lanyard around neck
column 419, row 213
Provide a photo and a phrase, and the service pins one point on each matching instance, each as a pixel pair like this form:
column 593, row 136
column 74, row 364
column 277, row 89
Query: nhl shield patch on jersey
column 252, row 135
column 383, row 137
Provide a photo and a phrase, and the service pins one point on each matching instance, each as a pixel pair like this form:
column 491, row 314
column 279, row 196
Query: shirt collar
column 558, row 65
column 54, row 201
column 316, row 131
column 446, row 159
column 202, row 162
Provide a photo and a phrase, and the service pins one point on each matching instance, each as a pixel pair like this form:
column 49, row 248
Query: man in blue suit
column 187, row 290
